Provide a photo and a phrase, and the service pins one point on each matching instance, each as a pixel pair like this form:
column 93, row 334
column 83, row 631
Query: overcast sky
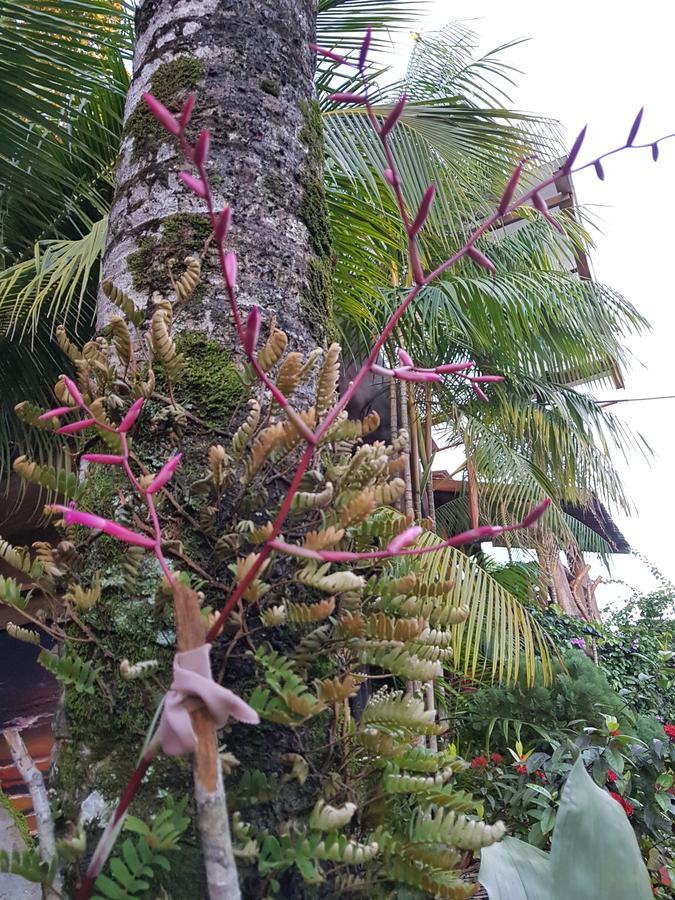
column 588, row 62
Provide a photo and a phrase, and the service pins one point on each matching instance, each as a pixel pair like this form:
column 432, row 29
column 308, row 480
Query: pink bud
column 536, row 513
column 404, row 539
column 416, row 375
column 417, row 271
column 393, row 116
column 164, row 474
column 202, row 147
column 103, row 459
column 632, row 134
column 196, row 185
column 404, row 358
column 574, row 152
column 655, row 151
column 75, row 517
column 480, row 259
column 223, row 225
column 539, row 203
column 473, row 535
column 186, row 112
column 480, row 393
column 328, row 53
column 365, row 47
column 231, row 270
column 341, row 97
column 599, row 171
column 162, row 114
column 509, row 190
column 76, row 426
column 73, row 390
column 252, row 330
column 380, row 370
column 485, row 379
column 453, row 368
column 129, row 420
column 423, row 211
column 54, row 413
column 389, row 176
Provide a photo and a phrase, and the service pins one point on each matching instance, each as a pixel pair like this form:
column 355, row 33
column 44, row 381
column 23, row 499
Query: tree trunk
column 251, row 68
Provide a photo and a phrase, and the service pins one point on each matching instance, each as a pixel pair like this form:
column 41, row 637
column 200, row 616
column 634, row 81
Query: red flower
column 628, row 808
column 670, row 731
column 497, row 758
column 614, row 732
column 612, row 776
column 671, row 791
column 521, row 769
column 478, row 762
column 540, row 774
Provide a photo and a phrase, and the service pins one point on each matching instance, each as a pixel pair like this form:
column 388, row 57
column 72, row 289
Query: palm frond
column 499, row 632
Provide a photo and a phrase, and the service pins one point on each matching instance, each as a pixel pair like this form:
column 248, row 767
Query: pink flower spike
column 162, row 114
column 453, row 368
column 341, row 97
column 75, row 517
column 481, row 259
column 76, row 426
column 536, row 513
column 129, row 420
column 103, row 459
column 393, row 116
column 196, row 185
column 404, row 539
column 252, row 330
column 336, row 556
column 164, row 474
column 73, row 390
column 632, row 134
column 574, row 152
column 223, row 225
column 231, row 270
column 404, row 358
column 416, row 375
column 54, row 413
column 474, row 535
column 202, row 147
column 365, row 47
column 479, row 392
column 186, row 112
column 423, row 211
column 389, row 176
column 330, row 54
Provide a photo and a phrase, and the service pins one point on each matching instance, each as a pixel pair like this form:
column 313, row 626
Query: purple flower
column 578, row 642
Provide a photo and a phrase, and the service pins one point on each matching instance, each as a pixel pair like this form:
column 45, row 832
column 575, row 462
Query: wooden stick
column 214, row 825
column 44, row 822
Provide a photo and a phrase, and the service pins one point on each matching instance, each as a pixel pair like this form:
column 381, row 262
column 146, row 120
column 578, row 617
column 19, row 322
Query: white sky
column 589, row 62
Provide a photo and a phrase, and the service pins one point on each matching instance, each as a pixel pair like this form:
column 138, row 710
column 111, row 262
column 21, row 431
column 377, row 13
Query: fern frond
column 328, row 380
column 273, row 349
column 59, row 481
column 188, row 281
column 304, row 613
column 27, row 635
column 124, row 302
column 70, row 670
column 121, row 338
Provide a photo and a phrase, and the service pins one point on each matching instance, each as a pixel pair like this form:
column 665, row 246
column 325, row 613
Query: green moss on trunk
column 180, row 236
column 170, row 84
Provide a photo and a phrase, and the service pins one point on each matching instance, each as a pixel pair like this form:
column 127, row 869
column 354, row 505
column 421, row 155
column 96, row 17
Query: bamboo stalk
column 414, row 453
column 209, row 790
column 409, row 508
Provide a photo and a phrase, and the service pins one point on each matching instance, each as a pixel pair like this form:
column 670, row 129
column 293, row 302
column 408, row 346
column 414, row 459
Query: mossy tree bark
column 251, row 68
